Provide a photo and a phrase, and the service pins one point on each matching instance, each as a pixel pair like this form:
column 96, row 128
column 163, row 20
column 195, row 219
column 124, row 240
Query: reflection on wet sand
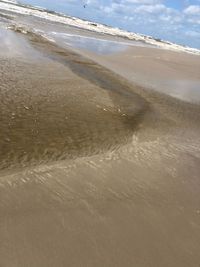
column 168, row 72
column 94, row 170
column 99, row 46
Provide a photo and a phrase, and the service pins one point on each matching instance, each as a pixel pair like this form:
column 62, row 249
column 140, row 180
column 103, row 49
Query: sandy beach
column 99, row 150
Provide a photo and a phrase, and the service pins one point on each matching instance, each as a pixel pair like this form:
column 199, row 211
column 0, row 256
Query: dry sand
column 95, row 171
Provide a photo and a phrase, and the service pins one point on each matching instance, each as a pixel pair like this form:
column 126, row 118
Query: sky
column 173, row 20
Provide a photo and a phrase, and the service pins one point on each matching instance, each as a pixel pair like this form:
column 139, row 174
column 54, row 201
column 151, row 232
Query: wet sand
column 168, row 72
column 172, row 73
column 86, row 109
column 95, row 170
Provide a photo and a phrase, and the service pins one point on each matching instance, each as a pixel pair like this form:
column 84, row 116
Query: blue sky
column 174, row 20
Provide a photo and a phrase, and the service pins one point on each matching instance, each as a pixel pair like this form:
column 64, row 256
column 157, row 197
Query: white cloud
column 192, row 10
column 144, row 2
column 150, row 8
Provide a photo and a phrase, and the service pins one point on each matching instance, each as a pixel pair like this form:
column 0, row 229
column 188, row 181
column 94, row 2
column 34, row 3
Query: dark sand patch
column 49, row 113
